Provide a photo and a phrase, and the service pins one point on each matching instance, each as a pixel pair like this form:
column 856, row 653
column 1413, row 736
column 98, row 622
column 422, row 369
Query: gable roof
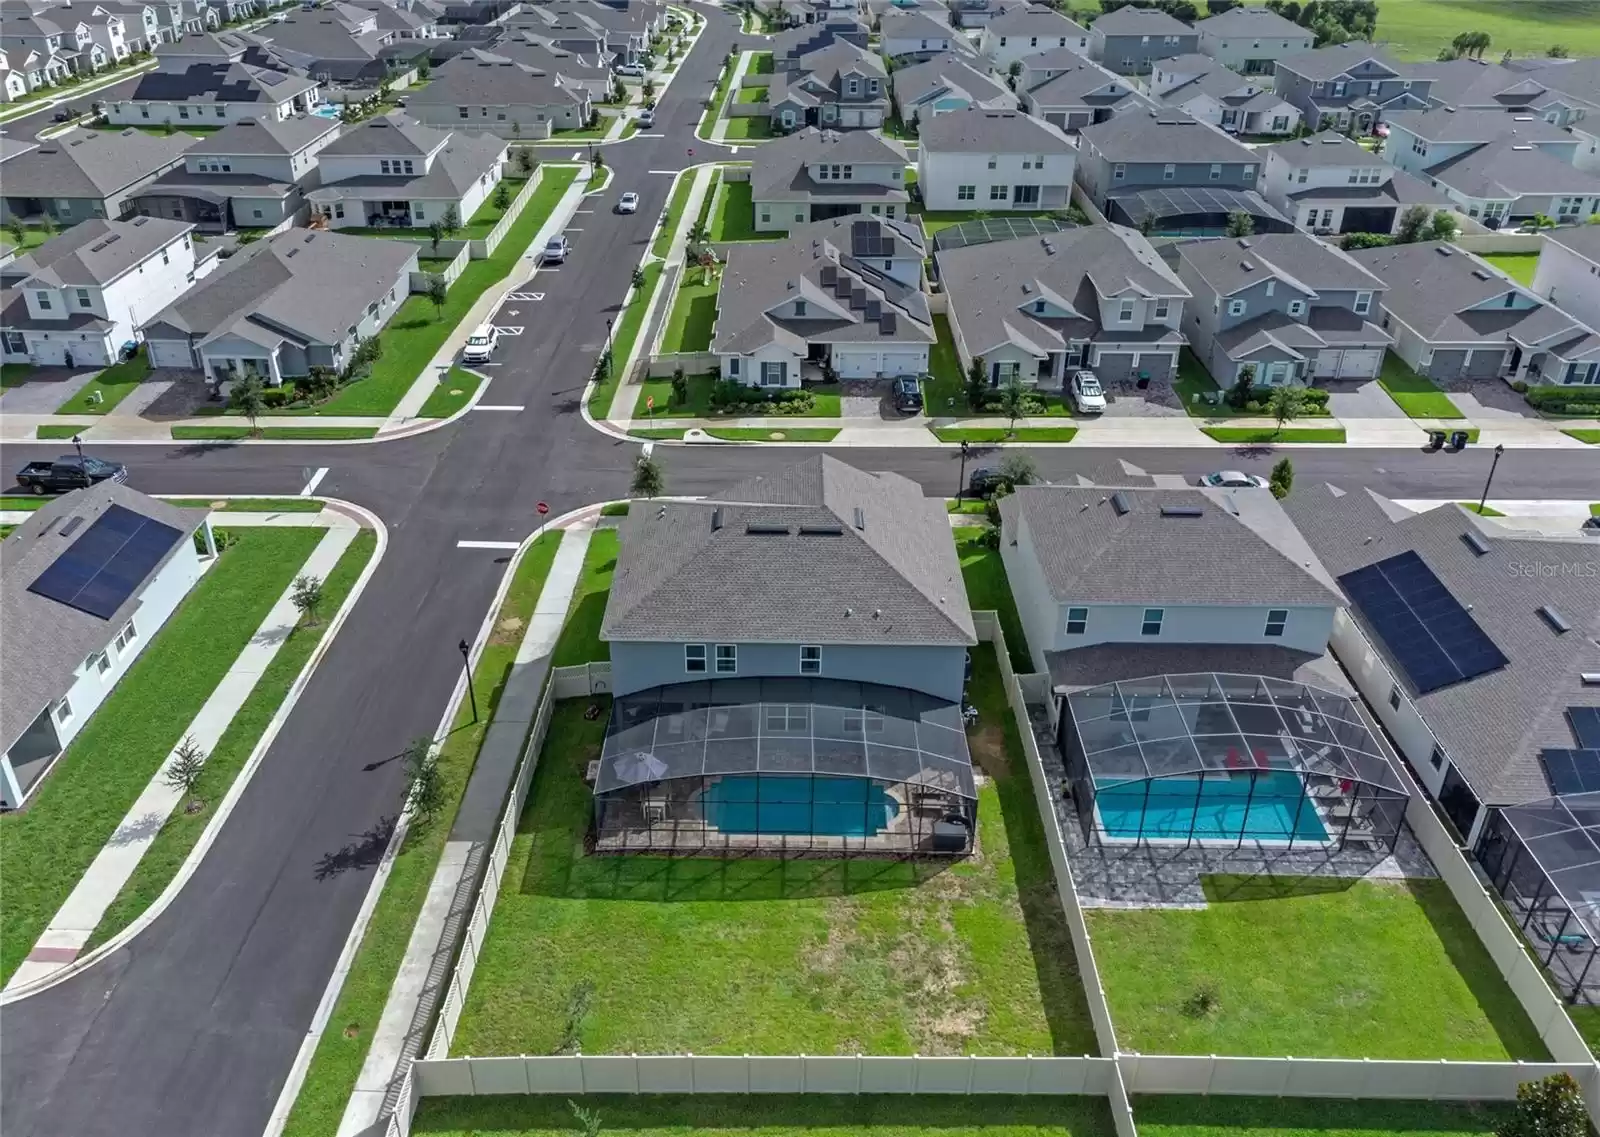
column 779, row 168
column 486, row 77
column 863, row 559
column 392, row 133
column 1131, row 21
column 1085, row 83
column 1446, row 124
column 1165, row 135
column 1247, row 23
column 1035, row 21
column 1330, row 148
column 914, row 23
column 220, row 83
column 948, row 72
column 974, row 130
column 266, row 134
column 81, row 163
column 96, row 251
column 1508, row 168
column 1325, row 63
column 1230, row 264
column 1581, row 239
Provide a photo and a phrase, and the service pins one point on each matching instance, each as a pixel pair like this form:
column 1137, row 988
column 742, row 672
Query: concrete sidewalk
column 425, row 968
column 719, row 124
column 69, row 930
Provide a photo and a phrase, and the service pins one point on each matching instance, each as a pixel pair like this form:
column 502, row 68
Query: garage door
column 1158, row 366
column 170, row 353
column 1361, row 363
column 905, row 362
column 1373, row 219
column 857, row 364
column 1112, row 367
column 1057, row 118
column 1485, row 364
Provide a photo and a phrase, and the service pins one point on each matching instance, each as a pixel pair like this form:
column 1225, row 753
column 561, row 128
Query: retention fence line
column 513, row 211
column 452, row 271
column 1337, row 1077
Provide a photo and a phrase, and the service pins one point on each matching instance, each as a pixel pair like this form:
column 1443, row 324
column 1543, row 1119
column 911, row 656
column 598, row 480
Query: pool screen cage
column 1222, row 759
column 787, row 766
column 1544, row 860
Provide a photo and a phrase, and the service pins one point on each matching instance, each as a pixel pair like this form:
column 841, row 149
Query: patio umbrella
column 638, row 766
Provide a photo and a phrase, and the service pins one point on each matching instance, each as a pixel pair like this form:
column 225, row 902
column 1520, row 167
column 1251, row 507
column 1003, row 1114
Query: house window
column 799, row 307
column 872, row 86
column 338, row 210
column 1125, row 312
column 461, row 112
column 1151, row 625
column 183, row 112
column 766, row 214
column 966, row 193
column 144, row 112
column 63, row 710
column 727, row 659
column 83, row 293
column 1249, row 173
column 1436, row 758
column 1297, row 307
column 1118, row 172
column 1394, row 696
column 1161, row 309
column 849, row 173
column 44, row 300
column 383, row 166
column 772, row 374
column 733, row 367
column 993, row 161
column 417, row 213
column 1038, row 307
column 1277, row 618
column 1363, row 303
column 407, row 165
column 810, row 660
column 1236, row 307
column 1216, row 171
column 1077, row 621
column 1168, row 172
column 854, row 86
column 998, row 193
column 694, row 658
column 1302, row 176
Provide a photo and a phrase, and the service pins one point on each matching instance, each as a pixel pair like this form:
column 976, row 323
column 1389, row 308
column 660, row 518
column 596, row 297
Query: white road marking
column 576, row 154
column 315, row 481
column 523, row 295
column 538, row 295
column 669, row 173
column 573, row 229
column 513, row 545
column 509, row 330
column 643, row 135
column 498, row 407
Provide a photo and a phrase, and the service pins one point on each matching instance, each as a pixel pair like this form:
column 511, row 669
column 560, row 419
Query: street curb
column 241, row 780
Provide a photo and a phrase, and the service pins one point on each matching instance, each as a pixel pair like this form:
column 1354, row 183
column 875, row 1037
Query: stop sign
column 544, row 508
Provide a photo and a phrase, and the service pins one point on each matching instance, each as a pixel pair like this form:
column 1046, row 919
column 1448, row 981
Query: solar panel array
column 101, row 569
column 1585, row 726
column 1431, row 636
column 1190, row 201
column 1571, row 771
column 987, row 230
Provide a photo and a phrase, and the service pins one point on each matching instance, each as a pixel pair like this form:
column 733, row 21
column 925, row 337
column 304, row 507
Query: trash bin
column 1458, row 439
column 1435, row 439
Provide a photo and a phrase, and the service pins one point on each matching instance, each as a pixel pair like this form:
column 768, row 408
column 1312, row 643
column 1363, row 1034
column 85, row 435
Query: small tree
column 1443, row 227
column 248, row 397
column 18, row 231
column 424, row 69
column 977, row 383
column 47, row 226
column 1240, row 224
column 648, row 480
column 698, row 233
column 638, row 276
column 424, row 781
column 438, row 293
column 648, row 88
column 1282, row 479
column 1550, row 1107
column 516, row 129
column 1014, row 74
column 680, row 387
column 1243, row 389
column 1019, row 469
column 1557, row 51
column 185, row 766
column 1013, row 400
column 451, row 221
column 579, row 998
column 502, row 197
column 524, row 161
column 1412, row 222
column 1286, row 404
column 307, row 597
column 435, row 234
column 588, row 1120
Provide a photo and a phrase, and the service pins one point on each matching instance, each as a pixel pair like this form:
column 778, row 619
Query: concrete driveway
column 46, row 389
column 1361, row 400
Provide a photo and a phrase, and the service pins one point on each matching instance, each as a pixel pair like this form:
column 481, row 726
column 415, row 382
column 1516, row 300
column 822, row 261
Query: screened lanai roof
column 1169, row 725
column 791, row 725
column 1173, row 202
column 1563, row 836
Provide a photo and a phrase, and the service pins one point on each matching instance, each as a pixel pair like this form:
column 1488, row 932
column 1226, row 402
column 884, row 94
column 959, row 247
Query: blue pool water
column 788, row 803
column 1227, row 809
column 325, row 110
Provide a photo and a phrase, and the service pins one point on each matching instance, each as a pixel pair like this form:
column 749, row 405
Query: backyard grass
column 751, row 95
column 662, row 245
column 622, row 341
column 773, row 1115
column 1518, row 266
column 1417, row 29
column 580, row 641
column 1592, row 437
column 734, row 218
column 1398, row 973
column 489, row 214
column 45, row 848
column 32, row 238
column 115, row 383
column 1001, row 434
column 1413, row 393
column 775, row 433
column 182, row 828
column 966, row 505
column 1268, row 435
column 988, row 589
column 279, row 433
column 450, row 396
column 343, row 1046
column 760, row 63
column 694, row 313
column 759, row 956
column 51, row 431
column 1222, row 1116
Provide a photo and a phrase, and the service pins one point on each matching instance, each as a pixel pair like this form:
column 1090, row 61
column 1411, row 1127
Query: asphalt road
column 29, row 125
column 191, row 1028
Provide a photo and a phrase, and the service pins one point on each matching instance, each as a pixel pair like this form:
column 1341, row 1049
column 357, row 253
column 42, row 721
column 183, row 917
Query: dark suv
column 908, row 394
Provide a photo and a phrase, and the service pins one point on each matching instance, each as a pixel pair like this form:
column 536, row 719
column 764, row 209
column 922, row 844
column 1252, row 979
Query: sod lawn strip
column 115, row 383
column 734, row 218
column 772, row 1115
column 988, row 590
column 774, row 433
column 694, row 313
column 680, row 195
column 1226, row 1116
column 622, row 341
column 1591, row 437
column 275, row 433
column 343, row 1046
column 18, row 501
column 451, row 395
column 1268, row 435
column 824, row 399
column 46, row 847
column 580, row 641
column 1001, row 434
column 1414, row 394
column 183, row 828
column 1315, row 967
column 53, row 431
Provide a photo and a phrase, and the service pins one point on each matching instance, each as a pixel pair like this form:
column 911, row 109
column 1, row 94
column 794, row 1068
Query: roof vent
column 821, row 531
column 1120, row 503
column 1181, row 511
column 766, row 529
column 1590, row 678
column 1443, row 250
column 1557, row 622
column 860, row 518
column 1481, row 274
column 1475, row 542
column 716, row 519
column 71, row 525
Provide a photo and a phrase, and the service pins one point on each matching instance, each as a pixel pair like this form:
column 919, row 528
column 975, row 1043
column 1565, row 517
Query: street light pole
column 77, row 444
column 961, row 486
column 1487, row 482
column 466, row 661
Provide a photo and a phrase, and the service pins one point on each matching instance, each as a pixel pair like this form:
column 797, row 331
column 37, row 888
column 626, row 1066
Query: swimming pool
column 325, row 110
column 801, row 804
column 1217, row 808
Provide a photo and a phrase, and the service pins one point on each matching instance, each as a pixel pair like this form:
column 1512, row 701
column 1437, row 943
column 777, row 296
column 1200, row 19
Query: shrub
column 1520, row 386
column 274, row 397
column 1562, row 400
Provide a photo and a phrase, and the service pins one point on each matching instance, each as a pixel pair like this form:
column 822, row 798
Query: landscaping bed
column 710, row 396
column 945, row 388
column 1194, row 379
column 1315, row 967
column 1556, row 401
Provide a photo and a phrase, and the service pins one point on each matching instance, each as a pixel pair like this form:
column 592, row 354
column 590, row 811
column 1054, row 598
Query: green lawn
column 1193, row 379
column 735, row 215
column 751, row 95
column 1413, row 393
column 694, row 313
column 32, row 237
column 451, row 395
column 115, row 383
column 662, row 245
column 825, row 400
column 263, row 505
column 580, row 641
column 45, row 848
column 1001, row 434
column 1594, row 509
column 774, row 433
column 622, row 341
column 1417, row 29
column 945, row 389
column 615, row 509
column 1387, row 969
column 1223, row 1116
column 773, row 1115
column 984, row 574
column 1486, row 511
column 343, row 1047
column 763, row 956
column 966, row 505
column 291, row 433
column 719, row 95
column 182, row 828
column 747, row 127
column 489, row 214
column 15, row 501
column 1592, row 437
column 760, row 63
column 1267, row 435
column 53, row 431
column 1518, row 266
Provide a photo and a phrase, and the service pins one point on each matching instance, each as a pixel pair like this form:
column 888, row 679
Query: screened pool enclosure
column 1221, row 759
column 784, row 765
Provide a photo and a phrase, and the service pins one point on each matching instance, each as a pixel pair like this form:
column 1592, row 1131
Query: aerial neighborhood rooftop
column 782, row 568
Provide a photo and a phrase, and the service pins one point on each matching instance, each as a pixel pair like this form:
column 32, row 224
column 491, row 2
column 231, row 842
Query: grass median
column 182, row 829
column 623, row 339
column 274, row 433
column 343, row 1047
column 45, row 848
column 1267, row 436
column 662, row 245
column 451, row 395
column 1001, row 434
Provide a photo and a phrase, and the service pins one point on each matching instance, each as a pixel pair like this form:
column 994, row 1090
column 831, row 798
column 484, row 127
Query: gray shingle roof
column 1443, row 124
column 465, row 160
column 1258, row 23
column 393, row 133
column 1328, row 62
column 1330, row 148
column 220, row 83
column 947, row 72
column 1085, row 83
column 1131, row 21
column 1163, row 136
column 1581, row 239
column 1507, row 168
column 1493, row 726
column 264, row 134
column 46, row 642
column 488, row 78
column 779, row 169
column 976, row 131
column 866, row 559
column 97, row 251
column 1229, row 264
column 1032, row 21
column 916, row 24
column 92, row 163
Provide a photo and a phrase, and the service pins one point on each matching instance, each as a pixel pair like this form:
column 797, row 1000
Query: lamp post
column 77, row 444
column 466, row 661
column 961, row 486
column 1487, row 482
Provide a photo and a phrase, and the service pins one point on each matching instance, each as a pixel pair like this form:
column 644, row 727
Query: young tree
column 680, row 387
column 435, row 234
column 698, row 233
column 451, row 221
column 47, row 226
column 524, row 161
column 707, row 260
column 307, row 597
column 1013, row 396
column 977, row 384
column 1240, row 224
column 18, row 231
column 1019, row 469
column 502, row 196
column 1014, row 74
column 1286, row 403
column 1244, row 387
column 1282, row 479
column 648, row 480
column 588, row 1120
column 425, row 783
column 1443, row 227
column 1412, row 222
column 1550, row 1107
column 1557, row 51
column 249, row 399
column 188, row 761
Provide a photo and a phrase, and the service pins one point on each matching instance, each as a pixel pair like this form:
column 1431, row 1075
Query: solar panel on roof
column 1571, row 771
column 1585, row 726
column 1431, row 636
column 100, row 570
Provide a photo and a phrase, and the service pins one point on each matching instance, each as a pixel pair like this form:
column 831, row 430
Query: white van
column 481, row 344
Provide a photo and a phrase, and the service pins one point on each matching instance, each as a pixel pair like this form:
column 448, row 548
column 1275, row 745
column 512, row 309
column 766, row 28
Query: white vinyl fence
column 1337, row 1077
column 481, row 250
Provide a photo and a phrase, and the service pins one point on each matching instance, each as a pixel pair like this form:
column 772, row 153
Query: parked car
column 481, row 344
column 1087, row 396
column 69, row 472
column 984, row 481
column 628, row 203
column 556, row 250
column 636, row 70
column 1233, row 479
column 647, row 118
column 908, row 394
column 1591, row 526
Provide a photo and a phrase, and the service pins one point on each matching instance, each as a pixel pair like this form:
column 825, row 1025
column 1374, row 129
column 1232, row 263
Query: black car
column 69, row 472
column 1591, row 525
column 908, row 394
column 984, row 481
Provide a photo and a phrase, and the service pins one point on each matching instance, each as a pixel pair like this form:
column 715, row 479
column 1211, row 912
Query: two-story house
column 251, row 175
column 1040, row 308
column 980, row 13
column 813, row 175
column 62, row 43
column 1568, row 273
column 1526, row 87
column 1327, row 183
column 946, row 83
column 206, row 80
column 915, row 35
column 14, row 80
column 1494, row 166
column 82, row 174
column 1070, row 91
column 1204, row 89
column 1285, row 306
column 282, row 305
column 338, row 44
column 393, row 171
column 1454, row 319
column 76, row 299
column 137, row 26
column 1251, row 40
column 1021, row 32
column 839, row 85
column 844, row 294
column 1166, row 172
column 1351, row 85
column 994, row 160
column 484, row 90
column 1130, row 40
column 590, row 74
